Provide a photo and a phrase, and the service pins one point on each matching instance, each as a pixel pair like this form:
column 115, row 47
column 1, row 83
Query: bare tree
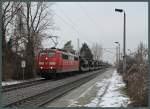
column 9, row 10
column 38, row 18
column 97, row 51
column 142, row 53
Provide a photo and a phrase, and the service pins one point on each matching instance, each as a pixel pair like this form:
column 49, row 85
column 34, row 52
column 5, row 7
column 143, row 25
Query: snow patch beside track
column 108, row 94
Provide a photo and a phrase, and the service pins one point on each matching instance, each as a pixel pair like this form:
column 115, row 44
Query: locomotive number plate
column 41, row 63
column 52, row 63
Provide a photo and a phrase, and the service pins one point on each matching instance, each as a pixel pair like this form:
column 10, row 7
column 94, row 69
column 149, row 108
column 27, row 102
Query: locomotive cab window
column 64, row 56
column 76, row 58
column 51, row 54
column 71, row 57
column 42, row 53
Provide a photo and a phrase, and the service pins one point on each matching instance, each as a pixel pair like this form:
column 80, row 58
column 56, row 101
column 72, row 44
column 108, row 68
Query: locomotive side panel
column 70, row 63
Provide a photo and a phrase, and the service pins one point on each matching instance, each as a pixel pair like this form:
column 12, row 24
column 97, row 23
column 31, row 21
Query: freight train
column 56, row 62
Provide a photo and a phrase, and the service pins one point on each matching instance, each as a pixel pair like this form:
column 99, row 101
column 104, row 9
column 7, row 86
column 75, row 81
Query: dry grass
column 137, row 85
column 8, row 72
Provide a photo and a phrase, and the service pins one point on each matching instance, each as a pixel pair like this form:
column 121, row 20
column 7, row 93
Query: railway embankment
column 136, row 79
column 136, row 76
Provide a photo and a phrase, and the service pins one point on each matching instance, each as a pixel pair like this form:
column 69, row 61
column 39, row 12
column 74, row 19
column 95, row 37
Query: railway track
column 22, row 85
column 62, row 87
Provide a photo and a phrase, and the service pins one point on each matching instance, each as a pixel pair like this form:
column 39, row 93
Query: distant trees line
column 91, row 53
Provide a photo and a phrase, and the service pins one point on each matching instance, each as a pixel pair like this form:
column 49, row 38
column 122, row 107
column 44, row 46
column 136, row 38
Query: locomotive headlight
column 41, row 67
column 52, row 63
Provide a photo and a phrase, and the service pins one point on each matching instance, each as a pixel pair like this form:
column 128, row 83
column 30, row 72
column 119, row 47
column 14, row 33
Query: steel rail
column 22, row 85
column 43, row 98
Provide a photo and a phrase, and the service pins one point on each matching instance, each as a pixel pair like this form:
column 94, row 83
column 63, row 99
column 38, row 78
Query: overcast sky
column 98, row 22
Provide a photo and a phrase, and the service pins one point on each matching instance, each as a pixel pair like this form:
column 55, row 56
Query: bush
column 129, row 62
column 8, row 69
column 137, row 85
column 12, row 68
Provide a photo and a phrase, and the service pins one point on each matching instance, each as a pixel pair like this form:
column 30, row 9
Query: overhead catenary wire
column 64, row 21
column 109, row 48
column 89, row 17
column 73, row 24
column 68, row 24
column 60, row 9
column 109, row 51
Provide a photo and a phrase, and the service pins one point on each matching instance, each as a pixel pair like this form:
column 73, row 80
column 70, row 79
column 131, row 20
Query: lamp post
column 119, row 49
column 124, row 38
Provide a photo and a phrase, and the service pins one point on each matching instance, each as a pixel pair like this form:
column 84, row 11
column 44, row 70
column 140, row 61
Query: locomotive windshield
column 47, row 53
column 42, row 53
column 51, row 54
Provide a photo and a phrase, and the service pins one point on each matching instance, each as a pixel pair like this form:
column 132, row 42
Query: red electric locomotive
column 52, row 62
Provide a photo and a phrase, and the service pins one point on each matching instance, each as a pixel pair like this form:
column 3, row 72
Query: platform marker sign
column 23, row 63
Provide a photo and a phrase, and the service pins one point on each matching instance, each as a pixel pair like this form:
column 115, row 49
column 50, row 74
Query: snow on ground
column 108, row 94
column 11, row 82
